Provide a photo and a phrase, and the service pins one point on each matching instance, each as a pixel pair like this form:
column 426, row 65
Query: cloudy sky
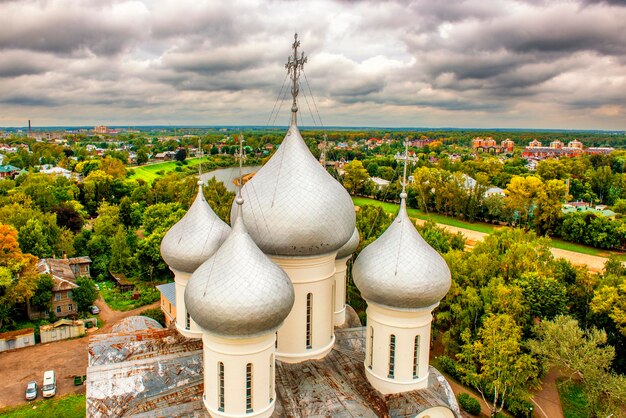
column 475, row 63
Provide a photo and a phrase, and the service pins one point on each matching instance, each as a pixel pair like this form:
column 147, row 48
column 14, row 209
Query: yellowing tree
column 494, row 363
column 18, row 273
column 355, row 177
column 522, row 194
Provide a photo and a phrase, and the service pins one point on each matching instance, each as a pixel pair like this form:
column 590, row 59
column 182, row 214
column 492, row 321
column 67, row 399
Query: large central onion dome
column 239, row 291
column 196, row 237
column 400, row 269
column 294, row 207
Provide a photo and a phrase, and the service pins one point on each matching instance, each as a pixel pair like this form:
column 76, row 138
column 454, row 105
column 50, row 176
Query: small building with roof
column 17, row 339
column 9, row 171
column 168, row 302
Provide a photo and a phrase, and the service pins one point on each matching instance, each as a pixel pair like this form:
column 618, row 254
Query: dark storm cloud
column 433, row 61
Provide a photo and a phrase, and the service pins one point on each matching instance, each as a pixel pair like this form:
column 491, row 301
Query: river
column 227, row 174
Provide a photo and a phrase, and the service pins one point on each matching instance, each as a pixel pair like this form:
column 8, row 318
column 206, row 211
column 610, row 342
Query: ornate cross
column 405, row 158
column 294, row 67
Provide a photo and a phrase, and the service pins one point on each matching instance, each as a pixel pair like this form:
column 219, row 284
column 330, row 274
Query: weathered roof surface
column 79, row 260
column 159, row 373
column 136, row 323
column 11, row 335
column 168, row 290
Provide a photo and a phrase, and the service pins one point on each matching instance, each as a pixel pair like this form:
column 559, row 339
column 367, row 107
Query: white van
column 49, row 388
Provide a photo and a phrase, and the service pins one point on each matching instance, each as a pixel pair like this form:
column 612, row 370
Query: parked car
column 94, row 310
column 49, row 384
column 31, row 391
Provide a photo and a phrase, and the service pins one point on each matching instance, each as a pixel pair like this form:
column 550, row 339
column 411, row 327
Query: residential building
column 168, row 302
column 64, row 272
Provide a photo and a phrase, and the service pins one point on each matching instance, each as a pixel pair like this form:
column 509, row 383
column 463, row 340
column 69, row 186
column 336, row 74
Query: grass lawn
column 69, row 406
column 148, row 172
column 481, row 227
column 123, row 301
column 573, row 400
column 416, row 213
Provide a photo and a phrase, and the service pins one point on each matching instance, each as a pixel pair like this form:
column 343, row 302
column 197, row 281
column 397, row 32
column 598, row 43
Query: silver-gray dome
column 193, row 239
column 239, row 291
column 350, row 246
column 400, row 269
column 293, row 206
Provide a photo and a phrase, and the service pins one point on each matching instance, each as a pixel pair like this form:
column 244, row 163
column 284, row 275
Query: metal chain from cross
column 405, row 158
column 294, row 67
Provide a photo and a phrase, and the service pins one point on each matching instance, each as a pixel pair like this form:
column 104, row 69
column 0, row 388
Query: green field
column 573, row 400
column 416, row 213
column 148, row 172
column 69, row 406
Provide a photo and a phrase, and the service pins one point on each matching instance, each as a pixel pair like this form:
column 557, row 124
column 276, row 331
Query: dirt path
column 593, row 263
column 547, row 400
column 67, row 358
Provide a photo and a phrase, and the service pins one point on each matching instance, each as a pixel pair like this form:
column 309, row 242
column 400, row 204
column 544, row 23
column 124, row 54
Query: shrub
column 448, row 366
column 156, row 314
column 469, row 404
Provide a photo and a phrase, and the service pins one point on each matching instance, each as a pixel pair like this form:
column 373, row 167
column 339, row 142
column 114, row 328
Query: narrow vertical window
column 309, row 319
column 248, row 388
column 392, row 356
column 271, row 378
column 416, row 350
column 332, row 312
column 220, row 386
column 188, row 321
column 371, row 359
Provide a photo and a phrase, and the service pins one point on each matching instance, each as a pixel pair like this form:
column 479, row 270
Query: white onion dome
column 239, row 291
column 294, row 207
column 349, row 247
column 400, row 269
column 195, row 238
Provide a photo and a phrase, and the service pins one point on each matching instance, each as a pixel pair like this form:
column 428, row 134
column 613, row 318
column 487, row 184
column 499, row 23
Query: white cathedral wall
column 181, row 279
column 315, row 275
column 436, row 412
column 341, row 265
column 235, row 354
column 405, row 325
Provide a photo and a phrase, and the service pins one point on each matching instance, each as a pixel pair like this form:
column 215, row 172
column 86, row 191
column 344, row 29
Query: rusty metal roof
column 159, row 373
column 136, row 323
column 11, row 335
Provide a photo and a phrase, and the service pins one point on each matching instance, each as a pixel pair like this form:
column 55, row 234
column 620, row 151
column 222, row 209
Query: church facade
column 262, row 312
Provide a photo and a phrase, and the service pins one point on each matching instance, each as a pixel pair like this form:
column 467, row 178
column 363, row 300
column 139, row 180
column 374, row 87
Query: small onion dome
column 400, row 269
column 294, row 207
column 350, row 246
column 239, row 291
column 195, row 238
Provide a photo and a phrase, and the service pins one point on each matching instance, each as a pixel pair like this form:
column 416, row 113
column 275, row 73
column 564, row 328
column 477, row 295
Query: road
column 67, row 358
column 593, row 263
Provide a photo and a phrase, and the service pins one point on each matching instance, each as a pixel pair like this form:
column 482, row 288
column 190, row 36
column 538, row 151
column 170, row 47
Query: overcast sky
column 518, row 64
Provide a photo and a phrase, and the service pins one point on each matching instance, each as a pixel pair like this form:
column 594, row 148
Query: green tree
column 495, row 364
column 42, row 297
column 32, row 239
column 582, row 355
column 548, row 214
column 546, row 297
column 355, row 176
column 521, row 196
column 181, row 155
column 142, row 156
column 85, row 294
column 121, row 259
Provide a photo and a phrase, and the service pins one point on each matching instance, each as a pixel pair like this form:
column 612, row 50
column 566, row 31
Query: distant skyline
column 477, row 64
